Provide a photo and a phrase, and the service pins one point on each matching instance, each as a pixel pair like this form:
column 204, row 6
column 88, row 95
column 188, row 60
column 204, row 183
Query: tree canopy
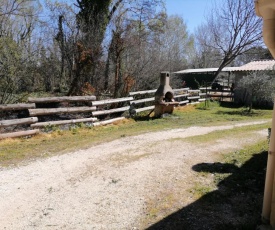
column 115, row 46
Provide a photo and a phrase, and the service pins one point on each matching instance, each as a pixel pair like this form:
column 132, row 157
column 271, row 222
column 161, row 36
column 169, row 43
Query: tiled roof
column 251, row 66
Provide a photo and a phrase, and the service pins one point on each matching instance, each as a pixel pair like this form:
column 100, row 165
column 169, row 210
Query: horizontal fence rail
column 60, row 110
column 61, row 99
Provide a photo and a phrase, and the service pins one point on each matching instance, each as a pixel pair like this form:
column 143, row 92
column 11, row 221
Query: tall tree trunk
column 117, row 73
column 61, row 40
column 107, row 69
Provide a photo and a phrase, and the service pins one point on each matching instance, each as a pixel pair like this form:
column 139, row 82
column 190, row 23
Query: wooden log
column 194, row 91
column 205, row 88
column 19, row 134
column 142, row 100
column 61, row 99
column 181, row 95
column 142, row 92
column 220, row 95
column 110, row 101
column 194, row 103
column 29, row 120
column 103, row 112
column 36, row 112
column 220, row 91
column 193, row 98
column 108, row 121
column 184, row 102
column 202, row 99
column 182, row 89
column 64, row 122
column 20, row 106
column 144, row 109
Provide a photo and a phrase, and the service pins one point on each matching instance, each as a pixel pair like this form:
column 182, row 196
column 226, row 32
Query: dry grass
column 57, row 141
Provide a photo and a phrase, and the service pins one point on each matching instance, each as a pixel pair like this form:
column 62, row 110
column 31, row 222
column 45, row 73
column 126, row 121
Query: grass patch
column 236, row 201
column 200, row 190
column 239, row 158
column 232, row 132
column 14, row 151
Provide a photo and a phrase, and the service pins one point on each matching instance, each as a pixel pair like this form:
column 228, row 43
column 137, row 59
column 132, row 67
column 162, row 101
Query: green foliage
column 94, row 16
column 208, row 105
column 11, row 69
column 260, row 87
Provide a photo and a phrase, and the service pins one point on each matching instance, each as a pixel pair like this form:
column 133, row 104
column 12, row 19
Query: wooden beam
column 110, row 101
column 217, row 95
column 142, row 100
column 36, row 112
column 61, row 99
column 108, row 121
column 142, row 92
column 181, row 95
column 220, row 91
column 20, row 106
column 194, row 103
column 194, row 91
column 19, row 134
column 144, row 109
column 193, row 98
column 184, row 102
column 205, row 88
column 29, row 120
column 64, row 122
column 179, row 90
column 103, row 112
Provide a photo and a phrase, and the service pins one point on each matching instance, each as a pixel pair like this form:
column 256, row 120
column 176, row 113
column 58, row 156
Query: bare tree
column 204, row 56
column 254, row 54
column 233, row 29
column 17, row 24
column 129, row 59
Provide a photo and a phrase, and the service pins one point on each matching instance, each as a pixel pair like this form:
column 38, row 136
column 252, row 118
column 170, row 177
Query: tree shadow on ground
column 239, row 113
column 236, row 204
column 229, row 104
column 144, row 118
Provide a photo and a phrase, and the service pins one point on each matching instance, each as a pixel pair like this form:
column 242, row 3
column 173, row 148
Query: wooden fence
column 38, row 113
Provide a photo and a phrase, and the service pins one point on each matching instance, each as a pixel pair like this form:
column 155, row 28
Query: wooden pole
column 110, row 101
column 269, row 179
column 30, row 120
column 49, row 123
column 142, row 92
column 108, row 121
column 19, row 134
column 61, row 99
column 36, row 112
column 143, row 100
column 20, row 106
column 181, row 89
column 144, row 109
column 104, row 112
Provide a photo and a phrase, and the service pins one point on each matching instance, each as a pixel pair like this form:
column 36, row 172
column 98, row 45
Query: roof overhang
column 251, row 66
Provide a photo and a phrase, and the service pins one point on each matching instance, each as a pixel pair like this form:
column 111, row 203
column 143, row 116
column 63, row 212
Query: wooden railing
column 45, row 112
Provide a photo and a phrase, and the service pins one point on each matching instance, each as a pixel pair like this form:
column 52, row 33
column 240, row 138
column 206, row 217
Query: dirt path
column 108, row 186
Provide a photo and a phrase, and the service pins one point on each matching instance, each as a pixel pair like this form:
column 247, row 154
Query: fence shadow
column 229, row 104
column 244, row 112
column 236, row 204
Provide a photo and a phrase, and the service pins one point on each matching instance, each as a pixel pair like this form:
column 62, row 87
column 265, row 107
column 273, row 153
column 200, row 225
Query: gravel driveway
column 107, row 186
